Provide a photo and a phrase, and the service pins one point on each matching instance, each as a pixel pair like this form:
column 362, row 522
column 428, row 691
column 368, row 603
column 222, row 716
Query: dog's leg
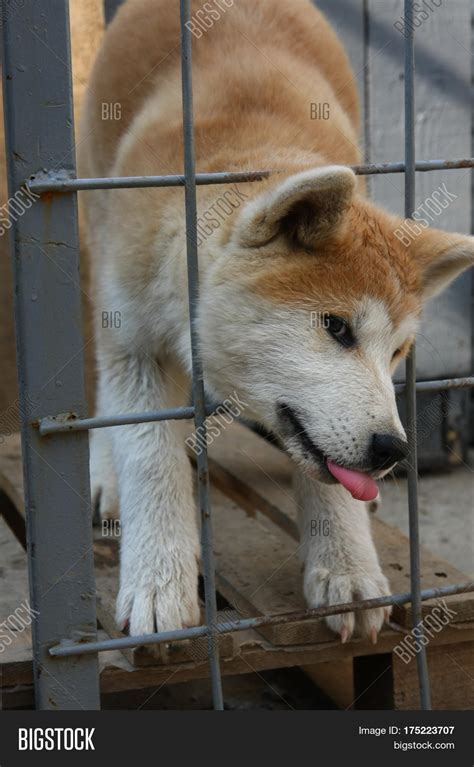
column 340, row 560
column 159, row 538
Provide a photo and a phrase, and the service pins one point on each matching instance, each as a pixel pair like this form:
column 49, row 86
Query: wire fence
column 64, row 635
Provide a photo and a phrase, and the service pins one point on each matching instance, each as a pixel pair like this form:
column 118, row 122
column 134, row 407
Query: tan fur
column 297, row 55
column 303, row 241
column 259, row 67
column 298, row 60
column 365, row 258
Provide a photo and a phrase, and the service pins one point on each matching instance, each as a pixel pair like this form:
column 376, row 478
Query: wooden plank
column 267, row 473
column 451, row 670
column 11, row 471
column 253, row 653
column 334, row 679
column 260, row 482
column 15, row 647
column 250, row 649
column 106, row 552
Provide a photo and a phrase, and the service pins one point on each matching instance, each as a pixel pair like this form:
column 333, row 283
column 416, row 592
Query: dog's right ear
column 441, row 257
column 305, row 208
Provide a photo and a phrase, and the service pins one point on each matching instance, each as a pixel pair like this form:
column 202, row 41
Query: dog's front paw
column 323, row 587
column 160, row 598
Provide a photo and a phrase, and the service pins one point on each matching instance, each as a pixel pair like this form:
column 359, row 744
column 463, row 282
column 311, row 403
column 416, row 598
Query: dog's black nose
column 387, row 450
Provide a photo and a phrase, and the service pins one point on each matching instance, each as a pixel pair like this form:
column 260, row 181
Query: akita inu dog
column 304, row 243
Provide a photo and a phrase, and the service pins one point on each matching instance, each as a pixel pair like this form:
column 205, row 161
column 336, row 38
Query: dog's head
column 310, row 306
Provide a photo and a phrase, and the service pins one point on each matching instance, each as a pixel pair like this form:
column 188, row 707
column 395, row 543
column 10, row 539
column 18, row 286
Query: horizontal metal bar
column 433, row 386
column 423, row 166
column 61, row 182
column 68, row 422
column 226, row 627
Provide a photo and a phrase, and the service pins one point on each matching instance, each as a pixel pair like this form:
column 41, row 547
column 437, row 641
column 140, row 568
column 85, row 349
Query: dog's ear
column 305, row 208
column 441, row 257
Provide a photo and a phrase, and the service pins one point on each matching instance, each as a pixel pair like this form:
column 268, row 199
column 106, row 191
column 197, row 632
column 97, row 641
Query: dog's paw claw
column 344, row 634
column 149, row 604
column 324, row 588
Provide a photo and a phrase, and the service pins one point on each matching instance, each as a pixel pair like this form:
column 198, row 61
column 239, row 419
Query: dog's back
column 261, row 56
column 261, row 72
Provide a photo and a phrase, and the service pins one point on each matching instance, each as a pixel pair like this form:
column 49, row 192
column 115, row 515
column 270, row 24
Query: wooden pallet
column 258, row 573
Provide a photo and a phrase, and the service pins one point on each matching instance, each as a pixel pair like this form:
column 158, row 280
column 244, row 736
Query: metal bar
column 39, row 131
column 412, row 458
column 227, row 627
column 423, row 166
column 59, row 182
column 367, row 98
column 197, row 369
column 110, row 9
column 68, row 422
column 434, row 386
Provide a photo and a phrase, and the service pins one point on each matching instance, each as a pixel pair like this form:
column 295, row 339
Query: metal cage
column 45, row 254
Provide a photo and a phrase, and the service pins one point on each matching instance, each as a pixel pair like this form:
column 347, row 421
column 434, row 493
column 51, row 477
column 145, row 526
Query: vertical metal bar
column 198, row 380
column 110, row 9
column 410, row 176
column 45, row 255
column 367, row 95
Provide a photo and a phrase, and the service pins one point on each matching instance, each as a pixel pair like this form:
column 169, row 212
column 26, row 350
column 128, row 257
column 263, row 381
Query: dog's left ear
column 441, row 257
column 304, row 208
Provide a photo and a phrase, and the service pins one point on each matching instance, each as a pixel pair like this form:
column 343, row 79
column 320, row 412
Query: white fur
column 340, row 561
column 159, row 540
column 261, row 351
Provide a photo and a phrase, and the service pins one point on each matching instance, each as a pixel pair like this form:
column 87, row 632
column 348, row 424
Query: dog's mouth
column 360, row 485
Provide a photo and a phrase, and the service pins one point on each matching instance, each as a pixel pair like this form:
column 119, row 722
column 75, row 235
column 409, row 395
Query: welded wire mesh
column 65, row 183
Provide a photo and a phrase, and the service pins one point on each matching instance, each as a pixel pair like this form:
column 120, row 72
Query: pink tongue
column 361, row 486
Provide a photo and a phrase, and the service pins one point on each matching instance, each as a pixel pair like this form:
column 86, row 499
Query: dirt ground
column 446, row 506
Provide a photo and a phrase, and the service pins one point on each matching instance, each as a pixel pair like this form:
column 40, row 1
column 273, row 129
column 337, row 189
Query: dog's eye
column 340, row 330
